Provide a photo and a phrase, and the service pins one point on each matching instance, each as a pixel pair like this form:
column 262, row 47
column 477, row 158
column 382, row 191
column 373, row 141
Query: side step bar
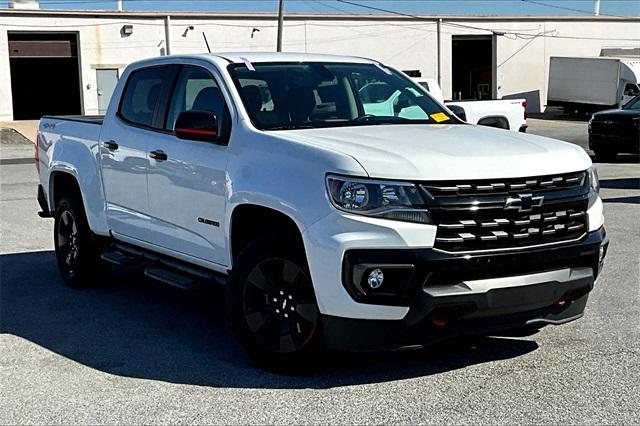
column 163, row 268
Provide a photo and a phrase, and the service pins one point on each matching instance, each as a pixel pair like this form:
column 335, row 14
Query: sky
column 467, row 7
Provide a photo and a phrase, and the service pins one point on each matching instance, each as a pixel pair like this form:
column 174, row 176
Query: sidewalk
column 26, row 128
column 14, row 147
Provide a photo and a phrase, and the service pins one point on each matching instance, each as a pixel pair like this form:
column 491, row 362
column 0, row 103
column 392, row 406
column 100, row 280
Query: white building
column 66, row 62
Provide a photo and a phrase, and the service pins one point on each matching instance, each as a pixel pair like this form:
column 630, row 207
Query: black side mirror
column 197, row 125
column 458, row 111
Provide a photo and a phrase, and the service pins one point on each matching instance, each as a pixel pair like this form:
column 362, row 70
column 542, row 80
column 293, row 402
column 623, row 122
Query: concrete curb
column 13, row 161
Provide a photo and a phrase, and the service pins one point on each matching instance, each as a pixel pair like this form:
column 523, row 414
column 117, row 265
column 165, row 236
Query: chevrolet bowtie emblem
column 524, row 202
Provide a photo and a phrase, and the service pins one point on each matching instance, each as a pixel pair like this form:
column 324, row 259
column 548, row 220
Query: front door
column 107, row 79
column 187, row 179
column 124, row 149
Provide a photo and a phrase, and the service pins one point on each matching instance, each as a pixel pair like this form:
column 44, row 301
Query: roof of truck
column 256, row 57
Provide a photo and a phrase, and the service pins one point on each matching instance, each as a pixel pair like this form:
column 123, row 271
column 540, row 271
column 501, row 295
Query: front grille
column 613, row 129
column 503, row 213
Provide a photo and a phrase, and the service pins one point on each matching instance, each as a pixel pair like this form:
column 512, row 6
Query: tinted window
column 299, row 95
column 196, row 90
column 142, row 94
column 633, row 103
column 631, row 90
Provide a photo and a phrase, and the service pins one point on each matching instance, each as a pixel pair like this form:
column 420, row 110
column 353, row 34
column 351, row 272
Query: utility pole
column 167, row 34
column 439, row 50
column 597, row 8
column 280, row 25
column 119, row 2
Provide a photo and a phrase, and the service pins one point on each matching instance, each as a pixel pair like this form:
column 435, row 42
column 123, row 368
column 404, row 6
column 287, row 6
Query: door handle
column 111, row 145
column 158, row 155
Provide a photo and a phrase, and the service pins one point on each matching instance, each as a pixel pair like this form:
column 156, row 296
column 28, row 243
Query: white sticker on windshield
column 248, row 64
column 377, row 64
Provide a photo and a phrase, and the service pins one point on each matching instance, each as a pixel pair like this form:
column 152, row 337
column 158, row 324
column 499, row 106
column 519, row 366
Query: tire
column 77, row 250
column 272, row 306
column 605, row 155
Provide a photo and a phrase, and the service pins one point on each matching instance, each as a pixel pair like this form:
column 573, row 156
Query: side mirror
column 458, row 111
column 197, row 125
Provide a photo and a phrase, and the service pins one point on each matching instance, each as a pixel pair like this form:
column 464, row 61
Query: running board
column 118, row 258
column 173, row 278
column 163, row 268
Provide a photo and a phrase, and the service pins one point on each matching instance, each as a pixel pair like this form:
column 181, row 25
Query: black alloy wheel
column 272, row 305
column 68, row 244
column 77, row 249
column 279, row 306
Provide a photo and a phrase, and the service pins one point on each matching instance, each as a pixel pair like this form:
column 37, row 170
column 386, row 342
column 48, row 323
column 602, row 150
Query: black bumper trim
column 42, row 201
column 435, row 268
column 350, row 334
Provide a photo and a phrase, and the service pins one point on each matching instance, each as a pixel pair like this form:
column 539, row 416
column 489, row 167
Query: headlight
column 384, row 199
column 594, row 181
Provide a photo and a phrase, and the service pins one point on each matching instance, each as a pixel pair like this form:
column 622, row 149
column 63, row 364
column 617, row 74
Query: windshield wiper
column 291, row 127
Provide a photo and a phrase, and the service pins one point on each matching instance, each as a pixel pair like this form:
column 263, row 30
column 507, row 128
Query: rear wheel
column 272, row 305
column 77, row 250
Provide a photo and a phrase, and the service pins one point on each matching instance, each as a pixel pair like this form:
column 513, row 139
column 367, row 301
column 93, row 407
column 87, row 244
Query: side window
column 196, row 90
column 631, row 90
column 142, row 93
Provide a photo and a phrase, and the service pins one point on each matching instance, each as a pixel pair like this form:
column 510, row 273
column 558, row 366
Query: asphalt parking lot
column 141, row 352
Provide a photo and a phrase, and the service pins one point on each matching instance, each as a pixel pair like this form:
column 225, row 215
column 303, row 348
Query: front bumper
column 619, row 144
column 451, row 295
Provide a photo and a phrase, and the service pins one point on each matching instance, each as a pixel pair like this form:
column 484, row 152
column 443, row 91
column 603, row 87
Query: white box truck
column 585, row 85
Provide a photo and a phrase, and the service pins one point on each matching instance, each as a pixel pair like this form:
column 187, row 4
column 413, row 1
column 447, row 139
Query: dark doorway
column 45, row 74
column 472, row 67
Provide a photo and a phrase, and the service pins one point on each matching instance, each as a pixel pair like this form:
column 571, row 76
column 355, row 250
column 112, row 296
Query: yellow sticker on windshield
column 440, row 117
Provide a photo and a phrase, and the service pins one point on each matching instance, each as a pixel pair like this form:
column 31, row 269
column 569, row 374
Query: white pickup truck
column 332, row 225
column 509, row 114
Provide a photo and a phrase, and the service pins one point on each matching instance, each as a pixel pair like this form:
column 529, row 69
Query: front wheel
column 272, row 305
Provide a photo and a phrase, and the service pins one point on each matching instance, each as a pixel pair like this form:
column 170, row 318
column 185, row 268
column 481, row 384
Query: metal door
column 106, row 80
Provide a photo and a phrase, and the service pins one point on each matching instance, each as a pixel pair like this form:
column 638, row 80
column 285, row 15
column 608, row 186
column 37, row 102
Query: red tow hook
column 438, row 322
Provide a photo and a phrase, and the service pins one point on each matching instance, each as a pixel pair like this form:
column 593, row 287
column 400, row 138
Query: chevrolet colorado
column 332, row 223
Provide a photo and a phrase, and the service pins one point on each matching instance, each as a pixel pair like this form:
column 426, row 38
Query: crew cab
column 332, row 224
column 509, row 114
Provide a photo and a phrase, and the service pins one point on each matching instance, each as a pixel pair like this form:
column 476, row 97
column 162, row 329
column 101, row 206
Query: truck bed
column 91, row 119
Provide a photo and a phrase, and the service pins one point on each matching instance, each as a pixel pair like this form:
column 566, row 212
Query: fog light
column 601, row 254
column 376, row 278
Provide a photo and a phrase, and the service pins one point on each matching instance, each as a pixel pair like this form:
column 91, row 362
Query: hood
column 616, row 113
column 446, row 152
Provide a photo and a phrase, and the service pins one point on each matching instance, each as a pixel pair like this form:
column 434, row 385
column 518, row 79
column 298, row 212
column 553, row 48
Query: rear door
column 124, row 148
column 187, row 179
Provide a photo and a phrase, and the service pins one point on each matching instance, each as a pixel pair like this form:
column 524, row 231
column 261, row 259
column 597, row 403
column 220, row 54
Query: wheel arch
column 249, row 221
column 64, row 180
column 61, row 183
column 497, row 121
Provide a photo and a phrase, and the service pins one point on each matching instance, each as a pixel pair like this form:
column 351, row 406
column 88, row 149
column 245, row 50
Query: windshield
column 306, row 95
column 633, row 103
